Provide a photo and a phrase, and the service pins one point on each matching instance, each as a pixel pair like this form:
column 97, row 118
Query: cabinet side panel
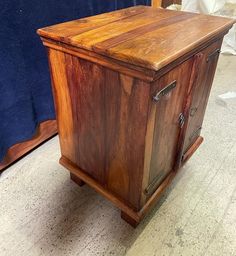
column 79, row 100
column 62, row 102
column 86, row 87
column 126, row 118
column 102, row 117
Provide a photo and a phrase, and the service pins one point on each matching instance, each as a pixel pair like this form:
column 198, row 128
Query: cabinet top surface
column 143, row 36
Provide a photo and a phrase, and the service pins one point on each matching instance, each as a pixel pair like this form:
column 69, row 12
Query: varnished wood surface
column 199, row 201
column 166, row 128
column 192, row 149
column 200, row 92
column 142, row 36
column 124, row 68
column 113, row 135
column 156, row 3
column 45, row 131
column 127, row 213
column 101, row 116
column 141, row 73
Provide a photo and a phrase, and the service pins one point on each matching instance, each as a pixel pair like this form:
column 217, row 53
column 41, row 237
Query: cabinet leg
column 76, row 180
column 134, row 223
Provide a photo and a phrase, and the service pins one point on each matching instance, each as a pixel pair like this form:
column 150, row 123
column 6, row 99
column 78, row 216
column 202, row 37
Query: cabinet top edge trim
column 141, row 73
column 141, row 36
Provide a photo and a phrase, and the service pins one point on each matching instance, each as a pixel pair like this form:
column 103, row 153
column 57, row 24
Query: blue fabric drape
column 25, row 91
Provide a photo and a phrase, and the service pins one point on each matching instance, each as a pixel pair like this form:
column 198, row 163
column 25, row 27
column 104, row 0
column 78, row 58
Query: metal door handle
column 164, row 91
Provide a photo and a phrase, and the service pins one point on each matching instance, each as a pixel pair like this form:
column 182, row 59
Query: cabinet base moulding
column 127, row 213
column 192, row 149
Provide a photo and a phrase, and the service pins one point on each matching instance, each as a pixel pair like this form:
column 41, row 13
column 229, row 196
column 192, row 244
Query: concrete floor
column 42, row 212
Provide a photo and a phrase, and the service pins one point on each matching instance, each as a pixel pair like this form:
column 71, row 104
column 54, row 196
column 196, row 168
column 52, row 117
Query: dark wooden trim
column 124, row 68
column 187, row 104
column 141, row 73
column 77, row 180
column 134, row 223
column 192, row 149
column 134, row 66
column 44, row 132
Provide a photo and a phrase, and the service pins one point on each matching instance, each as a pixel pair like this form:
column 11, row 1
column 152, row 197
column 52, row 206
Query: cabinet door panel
column 201, row 93
column 166, row 128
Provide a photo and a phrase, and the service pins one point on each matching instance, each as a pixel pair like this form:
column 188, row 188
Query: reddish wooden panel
column 141, row 36
column 126, row 116
column 62, row 102
column 166, row 127
column 86, row 83
column 200, row 93
column 105, row 114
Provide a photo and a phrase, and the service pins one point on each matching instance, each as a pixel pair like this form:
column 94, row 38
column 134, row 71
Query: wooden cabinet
column 130, row 89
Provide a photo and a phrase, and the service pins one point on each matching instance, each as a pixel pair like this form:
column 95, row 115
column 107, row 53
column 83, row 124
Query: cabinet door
column 164, row 123
column 201, row 91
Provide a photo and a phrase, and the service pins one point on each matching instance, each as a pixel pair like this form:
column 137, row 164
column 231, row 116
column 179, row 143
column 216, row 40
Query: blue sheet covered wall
column 25, row 92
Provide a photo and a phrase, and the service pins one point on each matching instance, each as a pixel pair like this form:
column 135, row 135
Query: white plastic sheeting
column 227, row 99
column 216, row 7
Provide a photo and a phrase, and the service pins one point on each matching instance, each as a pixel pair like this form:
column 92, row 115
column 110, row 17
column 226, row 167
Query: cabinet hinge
column 213, row 54
column 154, row 184
column 181, row 120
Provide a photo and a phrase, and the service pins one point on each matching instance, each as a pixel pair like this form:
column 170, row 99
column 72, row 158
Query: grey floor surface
column 42, row 212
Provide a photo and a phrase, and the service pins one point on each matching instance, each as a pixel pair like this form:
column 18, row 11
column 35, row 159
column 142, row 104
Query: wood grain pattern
column 100, row 115
column 62, row 103
column 86, row 89
column 71, row 28
column 142, row 36
column 121, row 67
column 127, row 213
column 114, row 135
column 192, row 149
column 166, row 128
column 156, row 3
column 200, row 93
column 187, row 104
column 127, row 109
column 142, row 73
column 136, row 30
column 44, row 132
